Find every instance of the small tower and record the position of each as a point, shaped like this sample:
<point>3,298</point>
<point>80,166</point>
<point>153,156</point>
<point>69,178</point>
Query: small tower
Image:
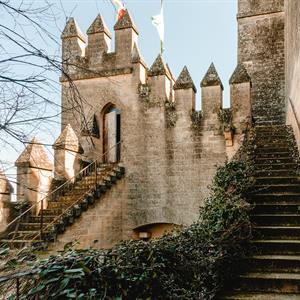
<point>185,91</point>
<point>240,98</point>
<point>5,198</point>
<point>67,150</point>
<point>34,173</point>
<point>99,40</point>
<point>160,80</point>
<point>212,96</point>
<point>73,43</point>
<point>126,35</point>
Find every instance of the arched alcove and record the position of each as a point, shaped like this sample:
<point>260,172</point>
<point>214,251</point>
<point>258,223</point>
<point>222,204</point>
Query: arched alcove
<point>111,138</point>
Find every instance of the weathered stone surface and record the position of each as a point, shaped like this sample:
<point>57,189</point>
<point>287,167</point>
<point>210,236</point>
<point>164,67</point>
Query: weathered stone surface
<point>158,67</point>
<point>239,75</point>
<point>98,26</point>
<point>184,81</point>
<point>211,78</point>
<point>261,49</point>
<point>35,156</point>
<point>68,140</point>
<point>125,22</point>
<point>72,30</point>
<point>292,10</point>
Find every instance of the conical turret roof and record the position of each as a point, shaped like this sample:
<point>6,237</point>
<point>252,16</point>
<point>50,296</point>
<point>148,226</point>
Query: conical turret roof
<point>211,77</point>
<point>158,67</point>
<point>125,22</point>
<point>35,156</point>
<point>98,26</point>
<point>240,75</point>
<point>68,140</point>
<point>72,30</point>
<point>184,81</point>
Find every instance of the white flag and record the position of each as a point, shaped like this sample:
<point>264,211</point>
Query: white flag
<point>119,7</point>
<point>158,22</point>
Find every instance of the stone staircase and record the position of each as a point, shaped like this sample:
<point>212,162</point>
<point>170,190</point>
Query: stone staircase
<point>272,270</point>
<point>63,208</point>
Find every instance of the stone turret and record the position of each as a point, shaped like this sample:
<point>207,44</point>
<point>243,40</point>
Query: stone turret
<point>160,80</point>
<point>185,91</point>
<point>240,97</point>
<point>99,40</point>
<point>126,35</point>
<point>34,173</point>
<point>67,150</point>
<point>212,96</point>
<point>5,198</point>
<point>73,43</point>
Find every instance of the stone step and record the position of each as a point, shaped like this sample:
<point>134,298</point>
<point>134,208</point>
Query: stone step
<point>275,173</point>
<point>273,263</point>
<point>284,198</point>
<point>277,180</point>
<point>278,160</point>
<point>275,155</point>
<point>275,208</point>
<point>31,226</point>
<point>276,166</point>
<point>270,282</point>
<point>276,219</point>
<point>271,150</point>
<point>276,188</point>
<point>259,296</point>
<point>276,247</point>
<point>276,232</point>
<point>20,243</point>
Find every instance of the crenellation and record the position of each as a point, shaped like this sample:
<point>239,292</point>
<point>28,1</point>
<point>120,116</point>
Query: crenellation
<point>99,42</point>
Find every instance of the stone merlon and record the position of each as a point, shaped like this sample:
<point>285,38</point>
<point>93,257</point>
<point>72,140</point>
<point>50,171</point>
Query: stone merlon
<point>184,81</point>
<point>99,26</point>
<point>68,140</point>
<point>125,22</point>
<point>35,156</point>
<point>159,68</point>
<point>72,30</point>
<point>240,75</point>
<point>211,78</point>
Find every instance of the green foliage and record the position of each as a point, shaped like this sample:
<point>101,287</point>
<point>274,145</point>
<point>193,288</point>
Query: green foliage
<point>189,264</point>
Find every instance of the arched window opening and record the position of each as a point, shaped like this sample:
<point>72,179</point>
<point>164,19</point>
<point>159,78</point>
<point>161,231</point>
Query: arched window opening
<point>112,134</point>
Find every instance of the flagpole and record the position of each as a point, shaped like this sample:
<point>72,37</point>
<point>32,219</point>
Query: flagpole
<point>161,42</point>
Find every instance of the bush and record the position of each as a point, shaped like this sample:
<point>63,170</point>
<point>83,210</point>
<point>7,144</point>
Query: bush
<point>193,263</point>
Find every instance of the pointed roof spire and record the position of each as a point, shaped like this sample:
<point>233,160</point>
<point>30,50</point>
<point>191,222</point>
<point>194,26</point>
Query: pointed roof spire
<point>158,67</point>
<point>72,30</point>
<point>184,81</point>
<point>91,128</point>
<point>125,22</point>
<point>240,75</point>
<point>68,140</point>
<point>35,156</point>
<point>98,26</point>
<point>211,77</point>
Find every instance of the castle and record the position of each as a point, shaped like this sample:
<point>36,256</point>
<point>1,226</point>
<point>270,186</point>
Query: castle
<point>118,111</point>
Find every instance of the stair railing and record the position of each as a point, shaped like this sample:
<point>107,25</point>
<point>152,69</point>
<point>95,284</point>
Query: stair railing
<point>59,191</point>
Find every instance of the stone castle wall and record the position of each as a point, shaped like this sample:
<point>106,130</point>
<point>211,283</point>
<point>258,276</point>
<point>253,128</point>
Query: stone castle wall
<point>169,154</point>
<point>292,10</point>
<point>261,49</point>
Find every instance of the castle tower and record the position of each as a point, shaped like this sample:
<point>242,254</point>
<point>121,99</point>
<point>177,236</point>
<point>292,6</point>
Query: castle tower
<point>261,49</point>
